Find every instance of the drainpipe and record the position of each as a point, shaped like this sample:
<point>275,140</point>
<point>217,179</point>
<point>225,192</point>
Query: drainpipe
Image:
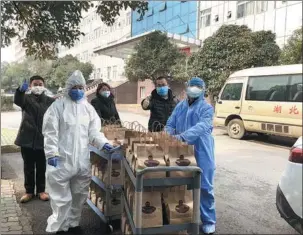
<point>198,20</point>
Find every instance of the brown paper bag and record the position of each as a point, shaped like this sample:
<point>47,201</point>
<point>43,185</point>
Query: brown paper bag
<point>116,177</point>
<point>124,221</point>
<point>180,207</point>
<point>115,206</point>
<point>141,163</point>
<point>151,210</point>
<point>129,154</point>
<point>182,160</point>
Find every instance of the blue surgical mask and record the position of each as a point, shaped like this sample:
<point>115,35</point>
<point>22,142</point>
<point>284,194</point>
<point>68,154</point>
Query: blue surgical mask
<point>76,94</point>
<point>194,92</point>
<point>105,94</point>
<point>162,91</point>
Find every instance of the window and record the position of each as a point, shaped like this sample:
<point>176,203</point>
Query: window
<point>150,13</point>
<point>205,18</point>
<point>268,88</point>
<point>163,7</point>
<point>108,72</point>
<point>115,72</point>
<point>128,18</point>
<point>216,18</point>
<point>245,8</point>
<point>261,6</point>
<point>142,92</point>
<point>295,89</point>
<point>232,91</point>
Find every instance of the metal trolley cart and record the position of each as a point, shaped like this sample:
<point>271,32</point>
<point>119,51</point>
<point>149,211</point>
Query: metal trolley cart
<point>107,187</point>
<point>140,183</point>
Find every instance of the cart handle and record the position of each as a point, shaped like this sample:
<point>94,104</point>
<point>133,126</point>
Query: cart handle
<point>168,169</point>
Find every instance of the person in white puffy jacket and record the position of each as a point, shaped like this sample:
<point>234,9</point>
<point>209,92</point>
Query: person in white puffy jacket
<point>69,126</point>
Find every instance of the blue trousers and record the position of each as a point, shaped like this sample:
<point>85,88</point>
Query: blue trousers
<point>207,200</point>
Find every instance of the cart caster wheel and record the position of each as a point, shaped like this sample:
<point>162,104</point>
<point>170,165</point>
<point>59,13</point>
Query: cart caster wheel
<point>109,229</point>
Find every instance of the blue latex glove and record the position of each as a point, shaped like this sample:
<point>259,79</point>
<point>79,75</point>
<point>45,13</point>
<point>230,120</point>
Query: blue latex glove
<point>24,87</point>
<point>53,161</point>
<point>178,137</point>
<point>108,147</point>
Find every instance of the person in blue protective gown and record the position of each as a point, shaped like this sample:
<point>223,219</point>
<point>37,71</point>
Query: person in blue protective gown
<point>192,122</point>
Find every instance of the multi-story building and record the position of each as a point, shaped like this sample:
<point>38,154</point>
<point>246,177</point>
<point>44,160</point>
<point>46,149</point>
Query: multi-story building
<point>281,17</point>
<point>97,34</point>
<point>16,47</point>
<point>177,17</point>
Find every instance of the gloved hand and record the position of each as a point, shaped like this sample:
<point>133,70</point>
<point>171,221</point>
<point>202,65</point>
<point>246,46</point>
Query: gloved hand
<point>108,147</point>
<point>178,137</point>
<point>53,161</point>
<point>24,87</point>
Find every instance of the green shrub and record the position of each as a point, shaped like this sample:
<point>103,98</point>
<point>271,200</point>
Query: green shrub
<point>7,103</point>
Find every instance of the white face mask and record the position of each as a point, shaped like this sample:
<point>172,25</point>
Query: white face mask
<point>37,90</point>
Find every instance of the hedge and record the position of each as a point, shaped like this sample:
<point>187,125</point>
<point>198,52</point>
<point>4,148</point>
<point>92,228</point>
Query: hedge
<point>7,103</point>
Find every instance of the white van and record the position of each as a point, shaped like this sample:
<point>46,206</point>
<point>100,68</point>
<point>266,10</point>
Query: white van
<point>265,100</point>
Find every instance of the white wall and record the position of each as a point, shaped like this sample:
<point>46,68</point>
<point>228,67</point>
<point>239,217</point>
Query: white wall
<point>282,17</point>
<point>98,34</point>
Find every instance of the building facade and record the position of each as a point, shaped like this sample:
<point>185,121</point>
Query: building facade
<point>176,17</point>
<point>98,34</point>
<point>281,17</point>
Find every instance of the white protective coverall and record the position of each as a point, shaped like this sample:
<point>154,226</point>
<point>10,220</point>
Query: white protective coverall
<point>68,128</point>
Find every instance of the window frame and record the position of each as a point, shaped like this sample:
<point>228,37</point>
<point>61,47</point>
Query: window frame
<point>204,14</point>
<point>232,83</point>
<point>142,90</point>
<point>291,84</point>
<point>261,4</point>
<point>287,95</point>
<point>244,4</point>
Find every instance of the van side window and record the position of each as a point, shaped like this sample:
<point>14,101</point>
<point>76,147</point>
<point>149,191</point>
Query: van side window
<point>295,89</point>
<point>268,88</point>
<point>232,91</point>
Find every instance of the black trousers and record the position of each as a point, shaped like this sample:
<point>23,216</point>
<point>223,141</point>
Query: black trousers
<point>34,170</point>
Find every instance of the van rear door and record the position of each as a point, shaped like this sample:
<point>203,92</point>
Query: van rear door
<point>229,102</point>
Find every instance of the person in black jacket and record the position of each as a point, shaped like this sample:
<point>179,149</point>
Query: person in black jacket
<point>161,104</point>
<point>105,105</point>
<point>30,137</point>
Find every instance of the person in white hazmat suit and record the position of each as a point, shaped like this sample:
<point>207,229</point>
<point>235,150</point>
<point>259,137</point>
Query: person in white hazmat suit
<point>69,126</point>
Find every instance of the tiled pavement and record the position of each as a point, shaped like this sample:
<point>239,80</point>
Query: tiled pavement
<point>13,220</point>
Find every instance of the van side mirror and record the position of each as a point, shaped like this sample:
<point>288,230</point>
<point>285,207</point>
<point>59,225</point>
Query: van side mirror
<point>215,98</point>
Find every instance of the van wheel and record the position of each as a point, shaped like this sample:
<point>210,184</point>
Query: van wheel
<point>235,129</point>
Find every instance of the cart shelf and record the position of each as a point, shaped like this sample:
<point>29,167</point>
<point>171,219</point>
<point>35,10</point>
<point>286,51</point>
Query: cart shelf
<point>161,182</point>
<point>102,185</point>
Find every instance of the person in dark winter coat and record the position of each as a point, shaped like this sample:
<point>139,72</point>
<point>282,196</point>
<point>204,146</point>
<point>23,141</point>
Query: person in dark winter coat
<point>30,137</point>
<point>161,104</point>
<point>105,105</point>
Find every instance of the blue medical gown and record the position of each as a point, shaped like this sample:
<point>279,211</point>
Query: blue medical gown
<point>194,123</point>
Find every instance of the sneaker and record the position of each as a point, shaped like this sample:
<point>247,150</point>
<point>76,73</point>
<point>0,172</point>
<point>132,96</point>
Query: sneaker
<point>76,230</point>
<point>43,196</point>
<point>26,198</point>
<point>209,228</point>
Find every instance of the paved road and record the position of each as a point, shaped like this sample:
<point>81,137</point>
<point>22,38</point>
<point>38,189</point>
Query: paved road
<point>247,175</point>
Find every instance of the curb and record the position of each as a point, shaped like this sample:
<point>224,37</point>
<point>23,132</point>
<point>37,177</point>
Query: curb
<point>10,149</point>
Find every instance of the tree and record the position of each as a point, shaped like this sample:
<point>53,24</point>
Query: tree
<point>154,56</point>
<point>54,72</point>
<point>292,51</point>
<point>14,75</point>
<point>47,23</point>
<point>63,67</point>
<point>230,49</point>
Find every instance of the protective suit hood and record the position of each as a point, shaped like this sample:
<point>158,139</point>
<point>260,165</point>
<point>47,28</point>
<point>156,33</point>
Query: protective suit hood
<point>76,79</point>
